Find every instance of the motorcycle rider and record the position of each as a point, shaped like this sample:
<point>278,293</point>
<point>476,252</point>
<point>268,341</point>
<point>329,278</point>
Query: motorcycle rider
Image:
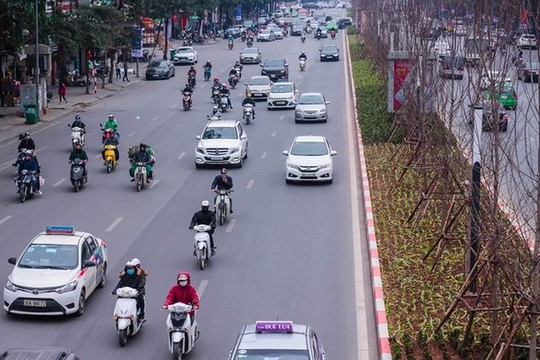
<point>207,217</point>
<point>216,114</point>
<point>78,152</point>
<point>29,163</point>
<point>188,89</point>
<point>224,91</point>
<point>238,67</point>
<point>112,124</point>
<point>302,56</point>
<point>26,142</point>
<point>79,123</point>
<point>133,277</point>
<point>207,65</point>
<point>192,71</point>
<point>183,292</point>
<point>143,156</point>
<point>318,33</point>
<point>249,100</point>
<point>113,140</point>
<point>222,182</point>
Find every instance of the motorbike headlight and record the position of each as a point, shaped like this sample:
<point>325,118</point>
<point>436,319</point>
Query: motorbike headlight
<point>11,287</point>
<point>200,149</point>
<point>234,150</point>
<point>67,288</point>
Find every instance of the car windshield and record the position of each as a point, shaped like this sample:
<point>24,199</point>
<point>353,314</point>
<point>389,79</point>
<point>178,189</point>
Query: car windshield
<point>262,354</point>
<point>50,256</point>
<point>274,63</point>
<point>265,31</point>
<point>259,81</point>
<point>187,50</point>
<point>158,64</point>
<point>282,88</point>
<point>310,99</point>
<point>329,48</point>
<point>533,65</point>
<point>215,132</point>
<point>250,51</point>
<point>309,148</point>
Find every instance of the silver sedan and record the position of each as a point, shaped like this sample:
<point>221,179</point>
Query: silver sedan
<point>311,107</point>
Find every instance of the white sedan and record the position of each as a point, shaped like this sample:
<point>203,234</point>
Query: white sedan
<point>185,55</point>
<point>309,159</point>
<point>56,273</point>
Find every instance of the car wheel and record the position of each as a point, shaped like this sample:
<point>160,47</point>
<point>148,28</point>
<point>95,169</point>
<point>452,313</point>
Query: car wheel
<point>82,303</point>
<point>103,281</point>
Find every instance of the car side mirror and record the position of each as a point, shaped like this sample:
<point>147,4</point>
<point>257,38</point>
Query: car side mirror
<point>327,102</point>
<point>198,137</point>
<point>261,65</point>
<point>333,152</point>
<point>88,263</point>
<point>286,64</point>
<point>243,137</point>
<point>12,260</point>
<point>285,152</point>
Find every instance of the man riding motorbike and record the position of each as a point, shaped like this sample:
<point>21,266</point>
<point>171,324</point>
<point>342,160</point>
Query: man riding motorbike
<point>224,91</point>
<point>302,56</point>
<point>112,124</point>
<point>133,277</point>
<point>26,142</point>
<point>238,67</point>
<point>207,70</point>
<point>216,114</point>
<point>249,100</point>
<point>79,123</point>
<point>143,156</point>
<point>78,152</point>
<point>207,217</point>
<point>183,292</point>
<point>318,33</point>
<point>29,163</point>
<point>188,89</point>
<point>192,71</point>
<point>222,182</point>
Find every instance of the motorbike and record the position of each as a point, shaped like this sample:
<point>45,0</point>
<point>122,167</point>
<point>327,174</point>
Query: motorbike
<point>222,205</point>
<point>182,332</point>
<point>126,314</point>
<point>302,64</point>
<point>207,73</point>
<point>26,182</point>
<point>77,79</point>
<point>77,136</point>
<point>238,69</point>
<point>303,38</point>
<point>243,37</point>
<point>318,36</point>
<point>110,157</point>
<point>333,34</point>
<point>224,103</point>
<point>77,174</point>
<point>187,42</point>
<point>233,80</point>
<point>216,95</point>
<point>191,81</point>
<point>186,101</point>
<point>202,244</point>
<point>140,175</point>
<point>249,42</point>
<point>248,113</point>
<point>231,44</point>
<point>107,133</point>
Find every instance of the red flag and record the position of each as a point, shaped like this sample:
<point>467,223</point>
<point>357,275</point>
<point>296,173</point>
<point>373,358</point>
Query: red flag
<point>523,16</point>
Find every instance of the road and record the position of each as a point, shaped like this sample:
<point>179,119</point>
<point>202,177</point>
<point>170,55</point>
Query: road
<point>287,252</point>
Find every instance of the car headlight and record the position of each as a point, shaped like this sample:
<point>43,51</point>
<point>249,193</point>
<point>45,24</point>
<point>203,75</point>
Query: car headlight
<point>200,149</point>
<point>67,288</point>
<point>234,150</point>
<point>294,166</point>
<point>282,71</point>
<point>325,166</point>
<point>11,287</point>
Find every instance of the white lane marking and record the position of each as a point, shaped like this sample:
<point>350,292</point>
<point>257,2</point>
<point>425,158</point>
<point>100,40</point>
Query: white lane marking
<point>155,118</point>
<point>263,156</point>
<point>181,156</point>
<point>273,134</point>
<point>6,218</point>
<point>59,182</point>
<point>154,183</point>
<point>231,226</point>
<point>137,117</point>
<point>174,106</point>
<point>97,156</point>
<point>250,184</point>
<point>5,165</point>
<point>201,288</point>
<point>281,117</point>
<point>202,85</point>
<point>114,224</point>
<point>131,134</point>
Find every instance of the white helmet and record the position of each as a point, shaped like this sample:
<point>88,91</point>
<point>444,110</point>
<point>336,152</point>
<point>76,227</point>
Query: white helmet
<point>135,262</point>
<point>205,203</point>
<point>131,263</point>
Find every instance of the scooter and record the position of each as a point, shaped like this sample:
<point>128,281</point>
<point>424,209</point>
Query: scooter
<point>26,182</point>
<point>191,81</point>
<point>302,64</point>
<point>249,42</point>
<point>303,38</point>
<point>233,80</point>
<point>77,136</point>
<point>110,157</point>
<point>216,95</point>
<point>126,314</point>
<point>202,244</point>
<point>107,133</point>
<point>77,176</point>
<point>238,69</point>
<point>207,73</point>
<point>140,175</point>
<point>248,113</point>
<point>222,205</point>
<point>231,44</point>
<point>182,332</point>
<point>224,103</point>
<point>186,101</point>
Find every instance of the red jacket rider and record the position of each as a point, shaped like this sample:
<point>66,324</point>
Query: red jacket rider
<point>183,291</point>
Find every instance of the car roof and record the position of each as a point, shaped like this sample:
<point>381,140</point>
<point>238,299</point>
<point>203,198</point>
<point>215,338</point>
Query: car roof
<point>43,238</point>
<point>309,138</point>
<point>185,48</point>
<point>222,123</point>
<point>312,94</point>
<point>284,83</point>
<point>47,353</point>
<point>250,339</point>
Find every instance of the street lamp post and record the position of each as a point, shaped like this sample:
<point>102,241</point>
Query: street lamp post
<point>36,71</point>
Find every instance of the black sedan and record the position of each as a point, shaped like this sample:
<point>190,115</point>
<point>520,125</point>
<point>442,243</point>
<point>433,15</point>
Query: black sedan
<point>528,71</point>
<point>329,52</point>
<point>160,69</point>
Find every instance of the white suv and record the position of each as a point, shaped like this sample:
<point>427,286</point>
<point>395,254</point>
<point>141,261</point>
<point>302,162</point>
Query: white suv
<point>282,96</point>
<point>527,41</point>
<point>222,142</point>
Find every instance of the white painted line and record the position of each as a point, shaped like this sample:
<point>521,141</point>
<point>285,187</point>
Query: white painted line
<point>273,134</point>
<point>41,149</point>
<point>59,182</point>
<point>137,117</point>
<point>202,85</point>
<point>155,118</point>
<point>154,183</point>
<point>231,226</point>
<point>113,225</point>
<point>201,288</point>
<point>174,106</point>
<point>97,156</point>
<point>131,134</point>
<point>181,156</point>
<point>6,218</point>
<point>250,184</point>
<point>281,117</point>
<point>263,156</point>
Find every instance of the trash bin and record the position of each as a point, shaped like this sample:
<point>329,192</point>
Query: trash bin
<point>172,52</point>
<point>30,112</point>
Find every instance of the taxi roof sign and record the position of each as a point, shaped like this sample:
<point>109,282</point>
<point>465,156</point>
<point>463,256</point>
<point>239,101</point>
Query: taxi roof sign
<point>59,230</point>
<point>274,326</point>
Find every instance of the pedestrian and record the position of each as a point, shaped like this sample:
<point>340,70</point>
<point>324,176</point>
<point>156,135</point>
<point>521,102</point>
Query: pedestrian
<point>118,70</point>
<point>125,78</point>
<point>10,89</point>
<point>2,90</point>
<point>62,90</point>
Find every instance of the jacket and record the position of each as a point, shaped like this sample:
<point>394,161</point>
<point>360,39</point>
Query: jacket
<point>111,124</point>
<point>30,165</point>
<point>203,217</point>
<point>81,154</point>
<point>186,294</point>
<point>136,281</point>
<point>220,184</point>
<point>26,143</point>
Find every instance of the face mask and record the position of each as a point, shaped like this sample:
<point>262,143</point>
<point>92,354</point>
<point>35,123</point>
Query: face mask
<point>182,282</point>
<point>130,271</point>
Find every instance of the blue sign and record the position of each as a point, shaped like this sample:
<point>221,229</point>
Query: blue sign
<point>136,43</point>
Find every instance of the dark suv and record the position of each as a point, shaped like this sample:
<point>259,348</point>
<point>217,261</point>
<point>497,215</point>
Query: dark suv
<point>276,69</point>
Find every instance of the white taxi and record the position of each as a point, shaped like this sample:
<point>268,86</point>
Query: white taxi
<point>56,273</point>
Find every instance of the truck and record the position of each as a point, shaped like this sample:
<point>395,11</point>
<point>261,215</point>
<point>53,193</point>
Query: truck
<point>474,46</point>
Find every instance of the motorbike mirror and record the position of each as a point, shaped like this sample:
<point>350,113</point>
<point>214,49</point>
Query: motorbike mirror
<point>12,260</point>
<point>69,125</point>
<point>285,152</point>
<point>88,263</point>
<point>198,137</point>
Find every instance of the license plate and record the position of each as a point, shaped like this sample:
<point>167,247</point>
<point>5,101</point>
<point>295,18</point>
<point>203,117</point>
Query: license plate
<point>256,94</point>
<point>155,75</point>
<point>35,303</point>
<point>281,102</point>
<point>216,158</point>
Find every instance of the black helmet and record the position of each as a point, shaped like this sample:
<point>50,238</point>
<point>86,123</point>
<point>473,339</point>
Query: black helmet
<point>142,146</point>
<point>77,117</point>
<point>224,171</point>
<point>23,135</point>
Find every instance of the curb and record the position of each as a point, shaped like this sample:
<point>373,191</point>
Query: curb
<point>376,277</point>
